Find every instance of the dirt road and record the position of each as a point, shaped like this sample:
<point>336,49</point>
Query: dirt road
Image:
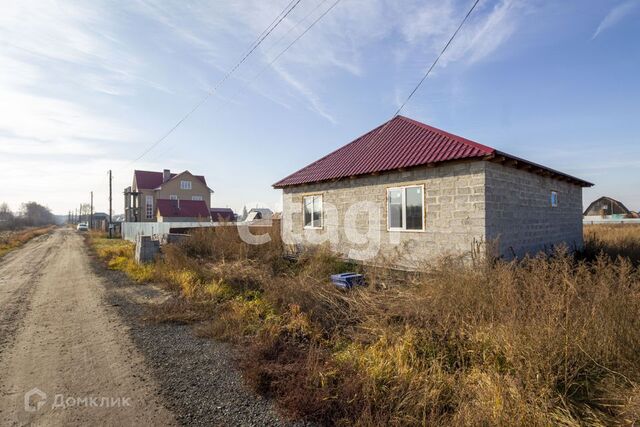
<point>57,335</point>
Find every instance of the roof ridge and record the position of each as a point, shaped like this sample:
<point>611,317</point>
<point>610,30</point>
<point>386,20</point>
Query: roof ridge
<point>462,139</point>
<point>406,143</point>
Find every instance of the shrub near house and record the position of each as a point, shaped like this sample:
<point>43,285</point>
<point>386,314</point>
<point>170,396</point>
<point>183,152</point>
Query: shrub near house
<point>545,341</point>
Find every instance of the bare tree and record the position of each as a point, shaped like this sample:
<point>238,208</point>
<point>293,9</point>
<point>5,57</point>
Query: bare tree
<point>7,219</point>
<point>32,214</point>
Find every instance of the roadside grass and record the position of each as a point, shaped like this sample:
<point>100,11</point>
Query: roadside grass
<point>545,340</point>
<point>119,255</point>
<point>10,240</point>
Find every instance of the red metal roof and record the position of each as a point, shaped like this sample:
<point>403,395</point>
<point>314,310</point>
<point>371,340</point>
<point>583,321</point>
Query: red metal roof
<point>183,208</point>
<point>398,143</point>
<point>148,180</point>
<point>222,214</point>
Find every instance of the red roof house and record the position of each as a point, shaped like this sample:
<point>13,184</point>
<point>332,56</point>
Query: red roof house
<point>414,192</point>
<point>149,196</point>
<point>182,210</point>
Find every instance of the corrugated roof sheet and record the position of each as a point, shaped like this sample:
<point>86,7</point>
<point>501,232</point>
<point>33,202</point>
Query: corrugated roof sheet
<point>183,208</point>
<point>398,143</point>
<point>149,180</point>
<point>222,214</point>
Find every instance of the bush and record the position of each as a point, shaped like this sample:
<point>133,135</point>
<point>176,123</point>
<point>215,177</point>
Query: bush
<point>540,341</point>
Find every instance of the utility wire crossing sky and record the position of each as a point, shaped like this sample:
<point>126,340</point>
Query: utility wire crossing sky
<point>89,87</point>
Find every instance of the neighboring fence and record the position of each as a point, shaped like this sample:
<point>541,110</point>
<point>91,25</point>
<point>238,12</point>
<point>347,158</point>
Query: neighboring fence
<point>131,230</point>
<point>592,220</point>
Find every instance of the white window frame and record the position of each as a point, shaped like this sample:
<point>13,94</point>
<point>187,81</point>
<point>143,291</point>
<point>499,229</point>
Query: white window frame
<point>304,201</point>
<point>148,204</point>
<point>197,198</point>
<point>185,185</point>
<point>173,197</point>
<point>557,201</point>
<point>404,209</point>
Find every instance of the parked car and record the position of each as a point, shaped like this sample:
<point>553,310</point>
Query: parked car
<point>82,226</point>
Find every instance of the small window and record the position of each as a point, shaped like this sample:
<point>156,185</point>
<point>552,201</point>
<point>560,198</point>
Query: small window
<point>312,206</point>
<point>173,197</point>
<point>196,197</point>
<point>554,199</point>
<point>185,185</point>
<point>405,208</point>
<point>149,206</point>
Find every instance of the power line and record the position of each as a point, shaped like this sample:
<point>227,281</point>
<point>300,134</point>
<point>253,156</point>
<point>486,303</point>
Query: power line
<point>286,11</point>
<point>270,63</point>
<point>297,24</point>
<point>437,59</point>
<point>270,25</point>
<point>298,37</point>
<point>294,41</point>
<point>424,77</point>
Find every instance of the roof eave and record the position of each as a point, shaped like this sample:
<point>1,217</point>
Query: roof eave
<point>496,157</point>
<point>520,163</point>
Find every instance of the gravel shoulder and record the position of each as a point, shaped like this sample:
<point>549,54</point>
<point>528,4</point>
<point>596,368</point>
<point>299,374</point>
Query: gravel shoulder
<point>61,338</point>
<point>198,377</point>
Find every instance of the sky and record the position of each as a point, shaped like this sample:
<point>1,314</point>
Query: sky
<point>87,87</point>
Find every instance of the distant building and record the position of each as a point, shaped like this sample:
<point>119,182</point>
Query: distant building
<point>182,211</point>
<point>606,207</point>
<point>259,213</point>
<point>222,215</point>
<point>182,196</point>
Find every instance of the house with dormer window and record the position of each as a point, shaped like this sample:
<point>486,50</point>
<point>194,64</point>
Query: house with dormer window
<point>167,197</point>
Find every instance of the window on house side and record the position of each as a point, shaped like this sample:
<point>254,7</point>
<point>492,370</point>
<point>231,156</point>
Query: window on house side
<point>149,206</point>
<point>173,197</point>
<point>196,197</point>
<point>185,185</point>
<point>405,208</point>
<point>554,199</point>
<point>312,206</point>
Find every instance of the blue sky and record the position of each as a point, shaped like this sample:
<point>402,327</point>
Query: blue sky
<point>87,86</point>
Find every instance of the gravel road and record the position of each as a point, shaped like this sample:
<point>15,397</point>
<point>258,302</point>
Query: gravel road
<point>75,333</point>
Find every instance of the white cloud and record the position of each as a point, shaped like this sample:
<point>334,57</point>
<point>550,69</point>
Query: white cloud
<point>72,72</point>
<point>615,15</point>
<point>341,42</point>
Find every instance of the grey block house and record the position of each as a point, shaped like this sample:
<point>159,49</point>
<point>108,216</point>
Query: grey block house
<point>409,193</point>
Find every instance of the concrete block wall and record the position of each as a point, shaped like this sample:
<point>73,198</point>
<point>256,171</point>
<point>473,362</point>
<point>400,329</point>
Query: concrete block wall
<point>520,215</point>
<point>355,214</point>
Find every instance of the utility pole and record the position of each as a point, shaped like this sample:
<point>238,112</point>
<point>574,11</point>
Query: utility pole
<point>110,208</point>
<point>91,213</point>
<point>80,211</point>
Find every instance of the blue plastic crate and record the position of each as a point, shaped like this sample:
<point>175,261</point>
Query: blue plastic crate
<point>347,280</point>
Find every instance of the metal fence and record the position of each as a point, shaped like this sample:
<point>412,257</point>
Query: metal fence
<point>131,230</point>
<point>592,220</point>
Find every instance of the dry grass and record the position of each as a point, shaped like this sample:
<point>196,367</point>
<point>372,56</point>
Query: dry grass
<point>549,340</point>
<point>613,240</point>
<point>10,240</point>
<point>119,255</point>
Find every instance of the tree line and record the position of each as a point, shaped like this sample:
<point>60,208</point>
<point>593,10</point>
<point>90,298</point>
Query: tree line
<point>30,214</point>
